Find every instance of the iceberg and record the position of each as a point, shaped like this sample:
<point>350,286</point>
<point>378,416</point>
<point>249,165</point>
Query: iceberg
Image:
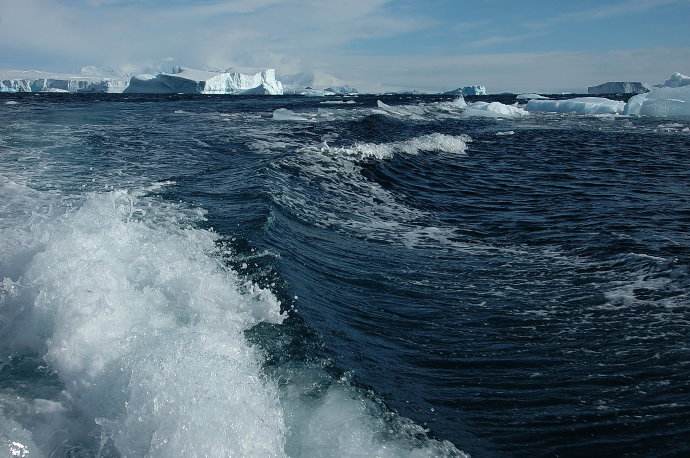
<point>468,90</point>
<point>38,81</point>
<point>618,87</point>
<point>676,80</point>
<point>190,81</point>
<point>579,105</point>
<point>666,102</point>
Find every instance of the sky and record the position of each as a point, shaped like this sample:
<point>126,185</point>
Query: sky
<point>374,45</point>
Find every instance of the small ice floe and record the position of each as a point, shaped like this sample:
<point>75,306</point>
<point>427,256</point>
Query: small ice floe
<point>283,114</point>
<point>505,134</point>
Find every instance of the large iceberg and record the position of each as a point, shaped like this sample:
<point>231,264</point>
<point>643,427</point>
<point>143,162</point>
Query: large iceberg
<point>676,80</point>
<point>38,81</point>
<point>666,102</point>
<point>618,87</point>
<point>468,90</point>
<point>579,105</point>
<point>190,81</point>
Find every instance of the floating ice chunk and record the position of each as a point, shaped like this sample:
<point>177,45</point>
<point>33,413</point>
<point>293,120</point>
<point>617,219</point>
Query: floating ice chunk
<point>531,96</point>
<point>505,134</point>
<point>580,105</point>
<point>11,102</point>
<point>667,102</point>
<point>494,110</point>
<point>283,114</point>
<point>338,102</point>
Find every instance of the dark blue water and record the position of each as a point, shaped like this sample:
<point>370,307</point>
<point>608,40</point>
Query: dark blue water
<point>527,296</point>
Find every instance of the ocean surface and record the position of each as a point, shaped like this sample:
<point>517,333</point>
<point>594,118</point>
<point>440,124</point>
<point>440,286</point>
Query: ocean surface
<point>310,277</point>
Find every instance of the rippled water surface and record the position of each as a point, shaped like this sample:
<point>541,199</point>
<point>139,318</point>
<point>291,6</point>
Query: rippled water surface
<point>207,276</point>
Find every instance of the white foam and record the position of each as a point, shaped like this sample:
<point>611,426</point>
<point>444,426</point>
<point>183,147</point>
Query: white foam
<point>506,133</point>
<point>144,328</point>
<point>432,142</point>
<point>579,105</point>
<point>11,102</point>
<point>125,298</point>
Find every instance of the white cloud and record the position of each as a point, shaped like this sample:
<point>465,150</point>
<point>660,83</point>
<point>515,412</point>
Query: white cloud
<point>296,35</point>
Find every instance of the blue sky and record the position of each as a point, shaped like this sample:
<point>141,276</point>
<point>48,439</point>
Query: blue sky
<point>375,44</point>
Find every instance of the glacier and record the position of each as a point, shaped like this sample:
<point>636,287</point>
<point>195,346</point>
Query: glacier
<point>38,81</point>
<point>191,81</point>
<point>579,105</point>
<point>618,87</point>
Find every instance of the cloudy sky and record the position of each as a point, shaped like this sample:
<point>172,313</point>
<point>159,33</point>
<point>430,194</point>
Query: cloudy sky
<point>545,45</point>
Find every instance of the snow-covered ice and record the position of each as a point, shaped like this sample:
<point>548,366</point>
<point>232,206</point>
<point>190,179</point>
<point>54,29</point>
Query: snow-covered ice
<point>579,105</point>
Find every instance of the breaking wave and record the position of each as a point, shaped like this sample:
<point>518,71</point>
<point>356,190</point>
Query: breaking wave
<point>127,300</point>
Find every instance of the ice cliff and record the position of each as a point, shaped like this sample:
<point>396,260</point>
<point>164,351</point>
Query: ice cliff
<point>190,81</point>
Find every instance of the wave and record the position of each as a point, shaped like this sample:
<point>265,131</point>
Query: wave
<point>433,142</point>
<point>127,300</point>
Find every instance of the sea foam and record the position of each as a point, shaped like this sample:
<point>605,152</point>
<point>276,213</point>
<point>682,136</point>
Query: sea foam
<point>127,300</point>
<point>432,142</point>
